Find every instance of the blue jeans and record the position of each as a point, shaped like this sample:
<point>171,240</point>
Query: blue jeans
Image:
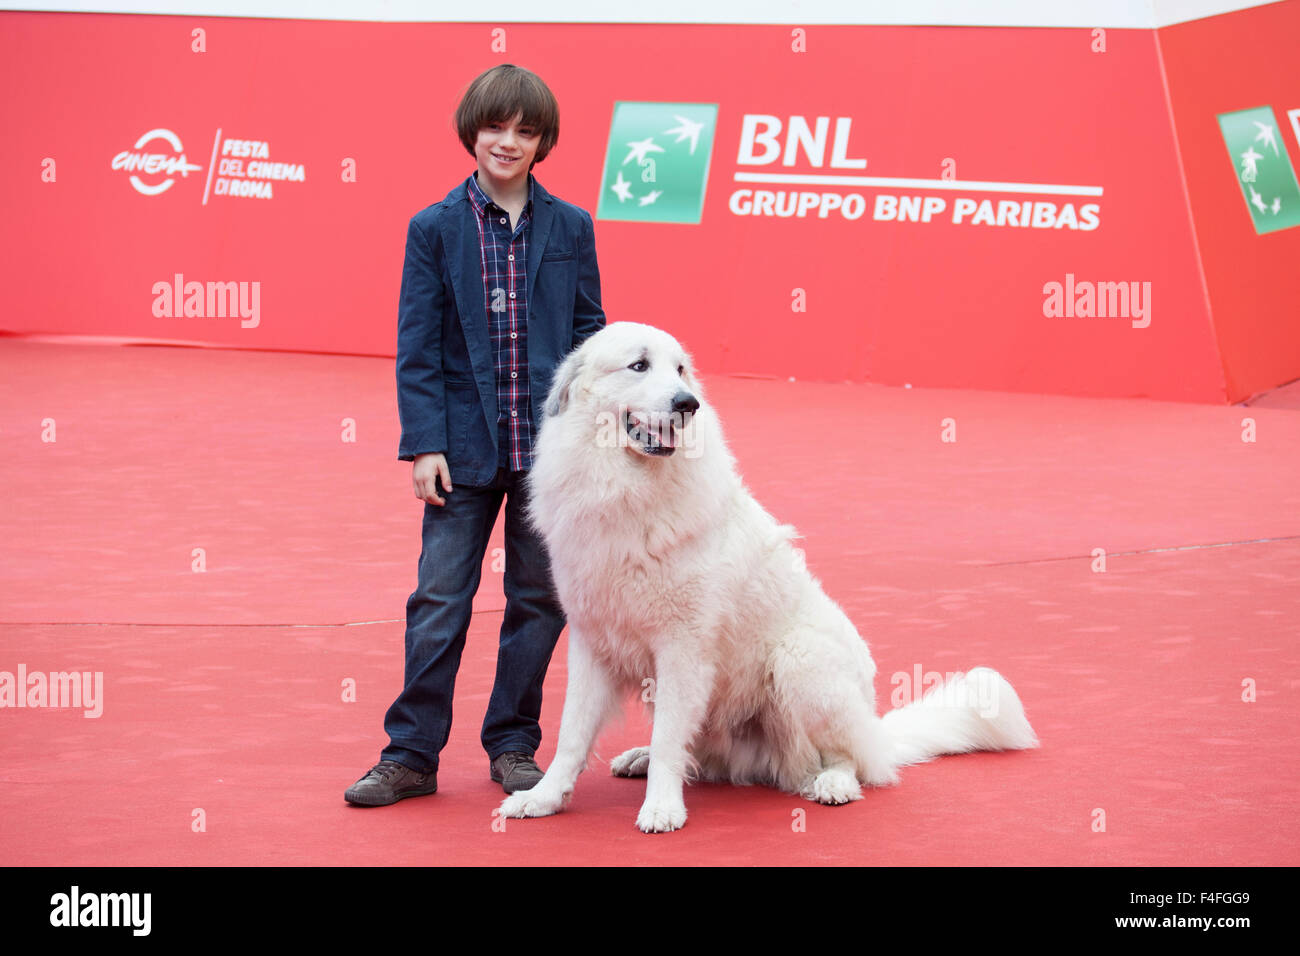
<point>437,618</point>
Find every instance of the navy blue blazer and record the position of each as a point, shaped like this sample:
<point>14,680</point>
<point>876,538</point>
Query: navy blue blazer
<point>446,383</point>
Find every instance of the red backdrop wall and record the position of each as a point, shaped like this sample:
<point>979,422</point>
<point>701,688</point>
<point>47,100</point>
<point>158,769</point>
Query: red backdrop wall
<point>1218,65</point>
<point>929,303</point>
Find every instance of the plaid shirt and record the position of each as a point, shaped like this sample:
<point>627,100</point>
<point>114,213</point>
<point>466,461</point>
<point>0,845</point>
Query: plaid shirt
<point>505,280</point>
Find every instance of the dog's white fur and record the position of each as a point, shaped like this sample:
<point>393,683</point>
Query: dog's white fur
<point>674,579</point>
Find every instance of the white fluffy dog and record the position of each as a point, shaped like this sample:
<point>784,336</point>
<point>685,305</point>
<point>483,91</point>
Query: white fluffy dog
<point>679,585</point>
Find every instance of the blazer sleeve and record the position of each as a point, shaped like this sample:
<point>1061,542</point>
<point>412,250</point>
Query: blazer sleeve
<point>588,316</point>
<point>421,400</point>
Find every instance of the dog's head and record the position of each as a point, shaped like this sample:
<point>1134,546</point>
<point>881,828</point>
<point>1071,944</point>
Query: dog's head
<point>637,386</point>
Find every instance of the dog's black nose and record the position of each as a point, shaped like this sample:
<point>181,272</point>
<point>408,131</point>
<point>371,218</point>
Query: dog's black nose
<point>684,403</point>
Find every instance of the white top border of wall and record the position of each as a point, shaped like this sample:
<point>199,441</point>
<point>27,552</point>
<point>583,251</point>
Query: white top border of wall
<point>1133,14</point>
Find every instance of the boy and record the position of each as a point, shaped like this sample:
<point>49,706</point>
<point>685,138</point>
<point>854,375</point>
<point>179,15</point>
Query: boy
<point>500,282</point>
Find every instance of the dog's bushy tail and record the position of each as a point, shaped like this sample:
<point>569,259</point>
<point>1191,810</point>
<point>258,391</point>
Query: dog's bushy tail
<point>978,710</point>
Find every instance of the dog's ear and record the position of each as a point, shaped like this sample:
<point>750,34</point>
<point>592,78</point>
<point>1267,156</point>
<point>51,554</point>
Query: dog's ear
<point>557,400</point>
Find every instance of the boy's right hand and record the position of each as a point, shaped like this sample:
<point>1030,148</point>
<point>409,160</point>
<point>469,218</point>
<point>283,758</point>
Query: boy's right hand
<point>424,474</point>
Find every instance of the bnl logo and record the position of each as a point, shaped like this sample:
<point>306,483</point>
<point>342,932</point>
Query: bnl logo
<point>657,162</point>
<point>1264,169</point>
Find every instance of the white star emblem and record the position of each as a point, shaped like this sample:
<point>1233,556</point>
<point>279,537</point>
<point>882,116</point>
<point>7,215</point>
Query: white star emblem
<point>1266,133</point>
<point>622,188</point>
<point>685,129</point>
<point>639,149</point>
<point>1257,200</point>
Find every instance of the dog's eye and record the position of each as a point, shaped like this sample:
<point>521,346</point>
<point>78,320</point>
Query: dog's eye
<point>640,365</point>
<point>681,370</point>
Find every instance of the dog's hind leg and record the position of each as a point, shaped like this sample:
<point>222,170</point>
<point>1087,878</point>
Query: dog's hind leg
<point>836,783</point>
<point>631,763</point>
<point>827,739</point>
<point>875,753</point>
<point>854,749</point>
<point>588,701</point>
<point>851,747</point>
<point>852,737</point>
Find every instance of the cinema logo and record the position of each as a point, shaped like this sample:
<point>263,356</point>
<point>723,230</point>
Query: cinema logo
<point>1102,300</point>
<point>76,908</point>
<point>208,300</point>
<point>56,689</point>
<point>146,161</point>
<point>245,169</point>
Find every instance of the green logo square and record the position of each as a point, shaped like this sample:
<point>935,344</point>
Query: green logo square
<point>1263,167</point>
<point>657,162</point>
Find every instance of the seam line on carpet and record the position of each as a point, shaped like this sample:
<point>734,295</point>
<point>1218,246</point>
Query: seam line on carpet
<point>1122,554</point>
<point>391,620</point>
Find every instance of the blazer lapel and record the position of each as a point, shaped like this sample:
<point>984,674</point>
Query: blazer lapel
<point>465,263</point>
<point>541,335</point>
<point>543,217</point>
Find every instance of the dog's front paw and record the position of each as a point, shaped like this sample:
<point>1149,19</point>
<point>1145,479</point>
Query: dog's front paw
<point>631,763</point>
<point>661,817</point>
<point>530,803</point>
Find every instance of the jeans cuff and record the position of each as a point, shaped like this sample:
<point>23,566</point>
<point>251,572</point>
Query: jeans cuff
<point>518,747</point>
<point>409,759</point>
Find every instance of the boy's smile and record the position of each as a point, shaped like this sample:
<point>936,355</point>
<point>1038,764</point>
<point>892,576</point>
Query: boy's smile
<point>505,151</point>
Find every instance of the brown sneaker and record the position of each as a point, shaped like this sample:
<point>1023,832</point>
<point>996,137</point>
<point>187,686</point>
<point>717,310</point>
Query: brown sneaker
<point>515,771</point>
<point>389,781</point>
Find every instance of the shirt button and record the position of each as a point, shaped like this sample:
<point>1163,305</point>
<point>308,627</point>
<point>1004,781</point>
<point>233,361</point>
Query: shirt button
<point>512,295</point>
<point>514,335</point>
<point>511,257</point>
<point>503,220</point>
<point>514,374</point>
<point>513,413</point>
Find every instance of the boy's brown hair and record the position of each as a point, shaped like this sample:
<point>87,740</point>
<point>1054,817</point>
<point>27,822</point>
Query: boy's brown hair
<point>496,95</point>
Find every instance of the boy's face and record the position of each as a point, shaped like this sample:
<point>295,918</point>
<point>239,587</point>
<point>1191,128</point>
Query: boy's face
<point>505,151</point>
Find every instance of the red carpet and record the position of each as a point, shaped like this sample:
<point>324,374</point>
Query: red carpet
<point>223,689</point>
